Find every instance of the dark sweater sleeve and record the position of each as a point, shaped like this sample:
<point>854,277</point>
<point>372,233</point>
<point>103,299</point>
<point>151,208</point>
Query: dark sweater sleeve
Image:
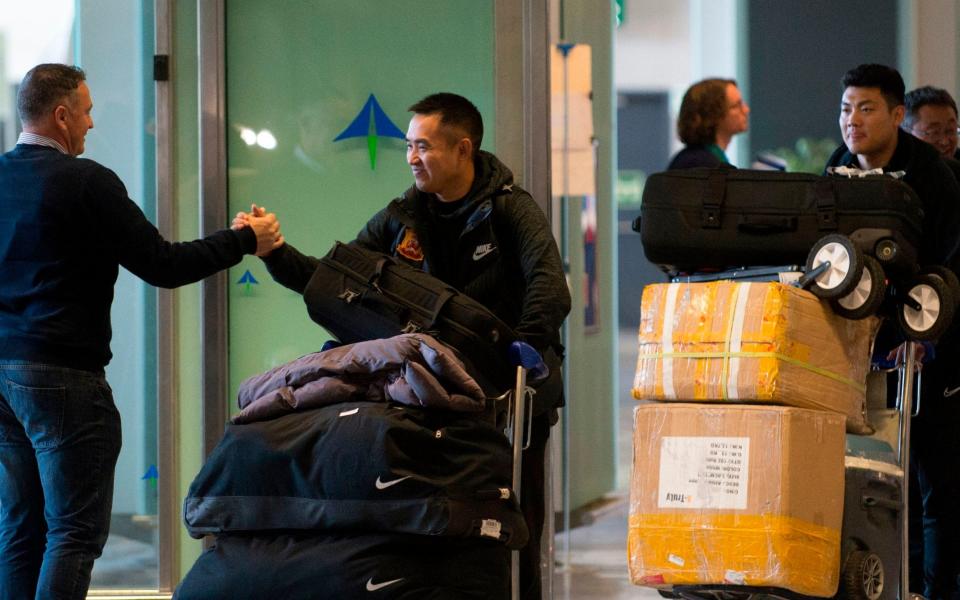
<point>546,301</point>
<point>139,247</point>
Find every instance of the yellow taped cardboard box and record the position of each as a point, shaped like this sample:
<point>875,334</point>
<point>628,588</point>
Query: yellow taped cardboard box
<point>725,341</point>
<point>736,494</point>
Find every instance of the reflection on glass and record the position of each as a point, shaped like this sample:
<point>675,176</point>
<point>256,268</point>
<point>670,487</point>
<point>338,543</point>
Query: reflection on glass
<point>98,37</point>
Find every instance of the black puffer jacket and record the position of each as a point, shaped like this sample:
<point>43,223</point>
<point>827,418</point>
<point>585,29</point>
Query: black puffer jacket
<point>505,257</point>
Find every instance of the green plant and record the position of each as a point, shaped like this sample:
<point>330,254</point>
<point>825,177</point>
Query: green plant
<point>630,187</point>
<point>807,155</point>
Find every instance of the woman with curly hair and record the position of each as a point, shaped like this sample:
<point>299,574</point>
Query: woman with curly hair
<point>712,112</point>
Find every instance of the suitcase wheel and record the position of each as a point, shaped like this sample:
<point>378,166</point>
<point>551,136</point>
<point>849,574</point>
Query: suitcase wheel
<point>927,309</point>
<point>845,268</point>
<point>868,295</point>
<point>862,576</point>
<point>948,277</point>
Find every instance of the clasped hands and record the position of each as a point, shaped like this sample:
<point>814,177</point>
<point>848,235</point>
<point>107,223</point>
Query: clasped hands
<point>264,225</point>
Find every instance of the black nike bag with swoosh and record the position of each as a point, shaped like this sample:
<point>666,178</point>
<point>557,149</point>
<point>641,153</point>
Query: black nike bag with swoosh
<point>358,295</point>
<point>360,467</point>
<point>343,566</point>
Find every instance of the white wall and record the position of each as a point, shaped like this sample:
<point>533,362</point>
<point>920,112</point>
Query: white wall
<point>666,46</point>
<point>935,47</point>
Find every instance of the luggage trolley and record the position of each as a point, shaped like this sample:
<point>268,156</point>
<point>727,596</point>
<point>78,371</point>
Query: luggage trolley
<point>518,420</point>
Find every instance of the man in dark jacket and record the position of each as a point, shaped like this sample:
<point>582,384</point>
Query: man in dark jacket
<point>871,113</point>
<point>66,225</point>
<point>467,223</point>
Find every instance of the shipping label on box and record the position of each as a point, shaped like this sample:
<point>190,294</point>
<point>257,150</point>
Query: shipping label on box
<point>704,472</point>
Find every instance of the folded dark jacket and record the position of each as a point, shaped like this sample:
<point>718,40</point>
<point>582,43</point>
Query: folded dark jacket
<point>413,369</point>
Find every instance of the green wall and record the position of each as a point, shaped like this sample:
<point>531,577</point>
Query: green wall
<point>303,71</point>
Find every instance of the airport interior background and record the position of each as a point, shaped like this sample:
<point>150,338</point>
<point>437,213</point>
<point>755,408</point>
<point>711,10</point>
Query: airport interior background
<point>244,104</point>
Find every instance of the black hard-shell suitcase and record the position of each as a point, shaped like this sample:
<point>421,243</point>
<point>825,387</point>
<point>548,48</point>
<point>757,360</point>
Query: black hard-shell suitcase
<point>358,295</point>
<point>715,218</point>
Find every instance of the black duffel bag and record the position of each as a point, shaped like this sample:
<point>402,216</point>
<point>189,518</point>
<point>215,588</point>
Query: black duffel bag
<point>715,218</point>
<point>357,295</point>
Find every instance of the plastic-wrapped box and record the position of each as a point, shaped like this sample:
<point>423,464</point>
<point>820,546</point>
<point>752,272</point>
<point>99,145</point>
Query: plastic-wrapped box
<point>736,495</point>
<point>726,341</point>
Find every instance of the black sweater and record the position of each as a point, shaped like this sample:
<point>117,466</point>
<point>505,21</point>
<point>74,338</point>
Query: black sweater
<point>66,225</point>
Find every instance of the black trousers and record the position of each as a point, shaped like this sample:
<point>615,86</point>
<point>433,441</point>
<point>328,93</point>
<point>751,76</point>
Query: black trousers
<point>935,487</point>
<point>532,497</point>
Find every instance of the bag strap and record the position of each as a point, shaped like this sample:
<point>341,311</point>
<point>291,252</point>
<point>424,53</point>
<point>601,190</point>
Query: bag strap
<point>825,193</point>
<point>712,200</point>
<point>445,295</point>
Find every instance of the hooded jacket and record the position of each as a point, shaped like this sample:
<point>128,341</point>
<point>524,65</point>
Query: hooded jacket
<point>504,256</point>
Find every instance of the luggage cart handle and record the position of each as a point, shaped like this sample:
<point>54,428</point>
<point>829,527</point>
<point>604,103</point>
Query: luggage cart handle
<point>522,354</point>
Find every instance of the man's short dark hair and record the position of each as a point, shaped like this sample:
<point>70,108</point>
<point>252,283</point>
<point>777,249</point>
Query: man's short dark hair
<point>887,79</point>
<point>455,111</point>
<point>925,96</point>
<point>703,107</point>
<point>45,86</point>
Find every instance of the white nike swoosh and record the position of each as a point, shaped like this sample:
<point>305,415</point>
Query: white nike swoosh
<point>478,254</point>
<point>372,587</point>
<point>947,392</point>
<point>382,485</point>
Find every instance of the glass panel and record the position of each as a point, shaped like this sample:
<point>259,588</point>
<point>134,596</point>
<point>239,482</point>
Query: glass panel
<point>112,40</point>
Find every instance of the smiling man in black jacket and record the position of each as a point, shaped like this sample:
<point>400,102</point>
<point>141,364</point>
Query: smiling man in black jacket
<point>466,222</point>
<point>66,226</point>
<point>871,111</point>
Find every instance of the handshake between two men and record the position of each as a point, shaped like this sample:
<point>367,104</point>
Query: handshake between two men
<point>264,225</point>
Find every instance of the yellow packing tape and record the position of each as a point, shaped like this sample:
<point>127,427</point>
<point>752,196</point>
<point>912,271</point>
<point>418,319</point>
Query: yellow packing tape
<point>684,548</point>
<point>775,355</point>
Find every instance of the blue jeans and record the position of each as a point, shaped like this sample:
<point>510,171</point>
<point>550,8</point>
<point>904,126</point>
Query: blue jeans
<point>59,442</point>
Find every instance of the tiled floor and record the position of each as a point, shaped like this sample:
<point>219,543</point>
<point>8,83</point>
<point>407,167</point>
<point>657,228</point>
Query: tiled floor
<point>598,562</point>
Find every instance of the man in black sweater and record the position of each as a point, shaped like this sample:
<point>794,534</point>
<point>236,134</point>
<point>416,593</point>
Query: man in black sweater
<point>66,226</point>
<point>871,113</point>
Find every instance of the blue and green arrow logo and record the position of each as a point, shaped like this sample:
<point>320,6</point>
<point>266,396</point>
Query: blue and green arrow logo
<point>248,279</point>
<point>371,122</point>
<point>151,475</point>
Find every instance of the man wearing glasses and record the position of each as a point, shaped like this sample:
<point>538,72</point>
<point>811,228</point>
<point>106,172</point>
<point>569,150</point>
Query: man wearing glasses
<point>931,115</point>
